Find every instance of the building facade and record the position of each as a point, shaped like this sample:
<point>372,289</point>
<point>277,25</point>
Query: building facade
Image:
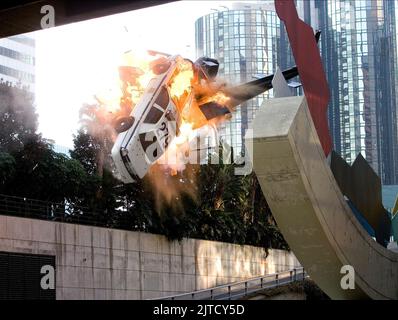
<point>359,51</point>
<point>246,41</point>
<point>17,61</point>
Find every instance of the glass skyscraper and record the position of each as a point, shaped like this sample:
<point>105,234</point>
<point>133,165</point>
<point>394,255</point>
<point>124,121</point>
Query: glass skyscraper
<point>246,41</point>
<point>359,50</point>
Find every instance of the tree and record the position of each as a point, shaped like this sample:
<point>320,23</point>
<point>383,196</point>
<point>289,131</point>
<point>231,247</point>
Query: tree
<point>207,202</point>
<point>92,148</point>
<point>7,169</point>
<point>98,194</point>
<point>28,165</point>
<point>85,151</point>
<point>97,131</point>
<point>135,207</point>
<point>233,208</point>
<point>41,173</point>
<point>18,118</point>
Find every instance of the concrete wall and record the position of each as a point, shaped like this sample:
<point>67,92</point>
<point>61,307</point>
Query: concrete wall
<point>100,263</point>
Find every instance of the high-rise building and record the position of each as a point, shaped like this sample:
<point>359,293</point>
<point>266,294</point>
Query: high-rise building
<point>246,41</point>
<point>359,51</point>
<point>17,61</point>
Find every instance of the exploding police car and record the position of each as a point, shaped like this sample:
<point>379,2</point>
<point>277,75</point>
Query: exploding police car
<point>179,91</point>
<point>154,122</point>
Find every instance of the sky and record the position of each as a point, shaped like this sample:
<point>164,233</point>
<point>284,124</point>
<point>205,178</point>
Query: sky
<point>76,61</point>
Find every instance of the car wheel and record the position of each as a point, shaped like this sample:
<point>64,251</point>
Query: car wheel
<point>123,124</point>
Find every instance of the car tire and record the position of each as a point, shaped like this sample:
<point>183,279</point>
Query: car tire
<point>122,124</point>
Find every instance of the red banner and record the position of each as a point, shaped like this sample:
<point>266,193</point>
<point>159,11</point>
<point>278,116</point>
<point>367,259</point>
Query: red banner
<point>310,68</point>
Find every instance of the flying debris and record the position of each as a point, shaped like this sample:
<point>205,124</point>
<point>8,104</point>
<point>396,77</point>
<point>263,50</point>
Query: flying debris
<point>167,102</point>
<point>179,93</point>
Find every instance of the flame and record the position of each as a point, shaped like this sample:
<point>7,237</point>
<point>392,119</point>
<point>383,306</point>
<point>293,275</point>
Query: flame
<point>187,93</point>
<point>141,61</point>
<point>174,159</point>
<point>186,134</point>
<point>110,99</point>
<point>220,98</point>
<point>126,88</point>
<point>135,72</point>
<point>181,82</point>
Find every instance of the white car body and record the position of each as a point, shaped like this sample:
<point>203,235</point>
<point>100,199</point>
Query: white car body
<point>156,123</point>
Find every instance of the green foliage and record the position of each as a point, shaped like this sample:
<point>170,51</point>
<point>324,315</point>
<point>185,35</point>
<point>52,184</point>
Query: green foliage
<point>7,169</point>
<point>28,165</point>
<point>233,209</point>
<point>85,151</point>
<point>227,208</point>
<point>18,118</point>
<point>44,174</point>
<point>94,141</point>
<point>208,202</point>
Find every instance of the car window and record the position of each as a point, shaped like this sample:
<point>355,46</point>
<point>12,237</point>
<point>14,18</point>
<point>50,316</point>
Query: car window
<point>153,115</point>
<point>163,99</point>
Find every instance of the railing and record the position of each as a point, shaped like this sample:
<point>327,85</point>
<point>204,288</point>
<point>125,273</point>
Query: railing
<point>244,288</point>
<point>62,212</point>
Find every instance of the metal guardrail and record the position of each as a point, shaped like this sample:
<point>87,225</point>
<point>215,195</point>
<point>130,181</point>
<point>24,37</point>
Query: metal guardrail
<point>62,212</point>
<point>244,288</point>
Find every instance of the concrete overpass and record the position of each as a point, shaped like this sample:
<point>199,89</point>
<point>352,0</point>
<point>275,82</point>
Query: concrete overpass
<point>24,16</point>
<point>309,207</point>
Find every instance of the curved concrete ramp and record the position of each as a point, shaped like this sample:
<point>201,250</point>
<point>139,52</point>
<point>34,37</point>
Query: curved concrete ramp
<point>309,207</point>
